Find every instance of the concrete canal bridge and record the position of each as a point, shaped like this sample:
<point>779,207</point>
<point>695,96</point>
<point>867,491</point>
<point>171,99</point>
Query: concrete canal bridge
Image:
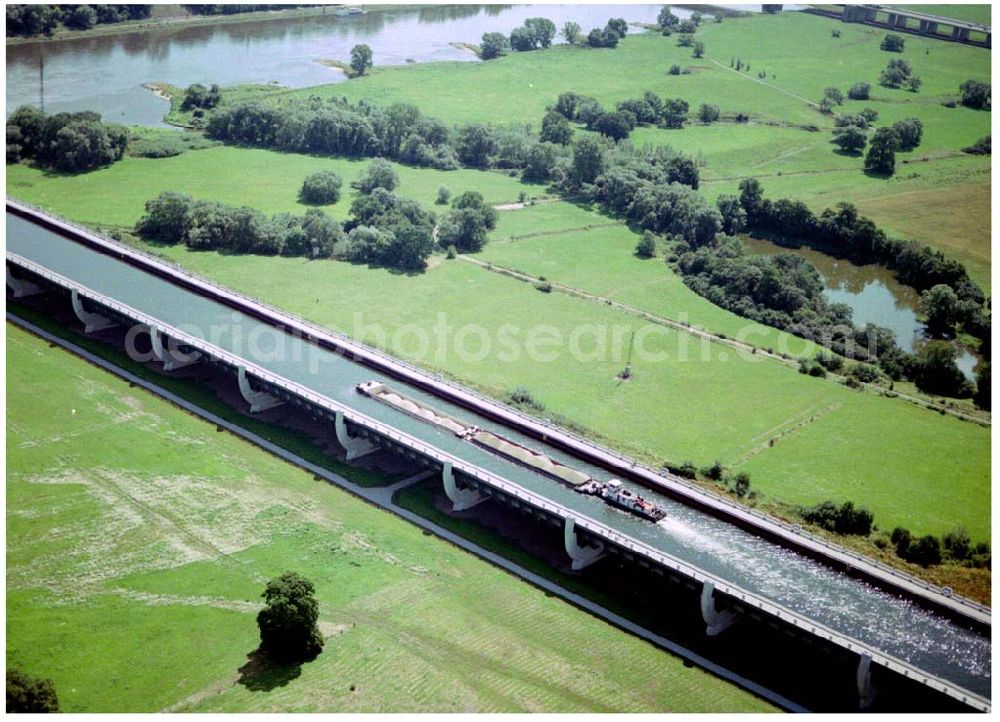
<point>743,566</point>
<point>909,20</point>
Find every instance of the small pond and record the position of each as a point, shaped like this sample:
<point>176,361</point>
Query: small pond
<point>873,295</point>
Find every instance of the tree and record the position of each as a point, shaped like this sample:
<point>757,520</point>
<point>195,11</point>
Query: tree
<point>556,129</point>
<point>734,217</point>
<point>859,91</point>
<point>571,32</point>
<point>913,83</point>
<point>288,622</point>
<point>168,218</point>
<point>588,162</point>
<point>975,94</point>
<point>321,188</point>
<point>646,247</point>
<point>896,73</point>
<point>851,138</point>
<point>468,224</point>
<point>936,372</point>
<point>80,17</point>
<point>198,96</point>
<point>699,50</point>
<point>361,59</point>
<point>939,305</point>
<point>543,29</point>
<point>618,26</point>
<point>982,396</point>
<point>27,694</point>
<point>752,200</point>
<point>493,45</point>
<point>881,157</point>
<point>443,196</point>
<point>475,144</point>
<point>909,132</point>
<point>675,113</point>
<point>836,95</point>
<point>598,38</point>
<point>616,126</point>
<point>666,18</point>
<point>522,39</point>
<point>892,43</point>
<point>685,40</point>
<point>708,114</point>
<point>378,174</point>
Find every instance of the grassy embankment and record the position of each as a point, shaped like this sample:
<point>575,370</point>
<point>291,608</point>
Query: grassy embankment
<point>723,407</point>
<point>139,541</point>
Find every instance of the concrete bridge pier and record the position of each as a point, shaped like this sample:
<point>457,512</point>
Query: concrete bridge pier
<point>866,690</point>
<point>19,287</point>
<point>354,446</point>
<point>92,322</point>
<point>716,622</point>
<point>582,555</point>
<point>258,400</point>
<point>461,499</point>
<point>172,359</point>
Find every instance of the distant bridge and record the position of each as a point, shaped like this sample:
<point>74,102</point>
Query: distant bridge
<point>910,21</point>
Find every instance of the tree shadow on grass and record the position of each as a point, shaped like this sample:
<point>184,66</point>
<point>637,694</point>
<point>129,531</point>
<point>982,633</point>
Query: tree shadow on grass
<point>261,674</point>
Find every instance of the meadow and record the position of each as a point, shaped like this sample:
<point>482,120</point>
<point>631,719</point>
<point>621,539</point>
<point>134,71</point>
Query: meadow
<point>138,541</point>
<point>801,57</point>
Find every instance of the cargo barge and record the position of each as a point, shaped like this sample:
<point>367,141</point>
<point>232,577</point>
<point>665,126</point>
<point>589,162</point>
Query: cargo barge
<point>612,492</point>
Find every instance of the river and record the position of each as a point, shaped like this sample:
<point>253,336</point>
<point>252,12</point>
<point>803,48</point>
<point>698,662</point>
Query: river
<point>874,296</point>
<point>106,73</point>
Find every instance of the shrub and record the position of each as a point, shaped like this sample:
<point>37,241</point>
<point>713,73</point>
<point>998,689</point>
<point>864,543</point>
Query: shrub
<point>687,470</point>
<point>975,94</point>
<point>646,247</point>
<point>843,519</point>
<point>892,43</point>
<point>520,396</point>
<point>443,196</point>
<point>378,174</point>
<point>321,188</point>
<point>925,551</point>
<point>544,286</point>
<point>957,544</point>
<point>27,694</point>
<point>830,361</point>
<point>715,471</point>
<point>864,373</point>
<point>859,91</point>
<point>983,146</point>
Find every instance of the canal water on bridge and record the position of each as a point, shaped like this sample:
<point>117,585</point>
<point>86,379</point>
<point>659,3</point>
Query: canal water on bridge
<point>847,606</point>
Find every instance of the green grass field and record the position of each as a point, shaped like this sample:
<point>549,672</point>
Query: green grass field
<point>725,407</point>
<point>267,180</point>
<point>139,539</point>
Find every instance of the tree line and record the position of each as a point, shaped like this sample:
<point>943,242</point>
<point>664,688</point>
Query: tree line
<point>538,33</point>
<point>68,142</point>
<point>29,20</point>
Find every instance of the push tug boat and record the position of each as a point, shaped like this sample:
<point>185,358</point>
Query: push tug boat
<point>613,492</point>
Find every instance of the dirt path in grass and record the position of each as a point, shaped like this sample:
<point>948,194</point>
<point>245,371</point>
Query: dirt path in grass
<point>708,335</point>
<point>769,85</point>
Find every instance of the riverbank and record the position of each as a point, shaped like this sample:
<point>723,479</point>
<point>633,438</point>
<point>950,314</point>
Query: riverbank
<point>188,20</point>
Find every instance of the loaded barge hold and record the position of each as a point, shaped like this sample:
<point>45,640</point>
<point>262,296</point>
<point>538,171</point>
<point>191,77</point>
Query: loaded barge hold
<point>612,492</point>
